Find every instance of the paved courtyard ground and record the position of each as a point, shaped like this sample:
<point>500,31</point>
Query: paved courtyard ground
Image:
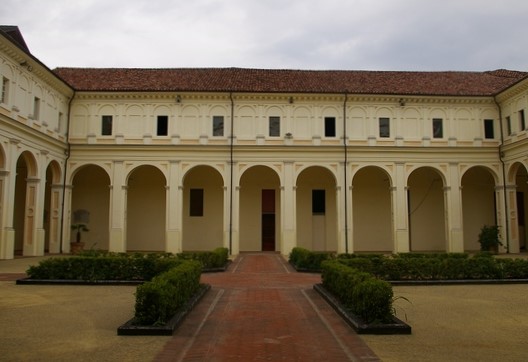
<point>259,310</point>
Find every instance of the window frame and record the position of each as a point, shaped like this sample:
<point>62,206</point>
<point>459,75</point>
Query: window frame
<point>318,202</point>
<point>435,123</point>
<point>217,130</point>
<point>489,126</point>
<point>381,126</point>
<point>330,129</point>
<point>274,126</point>
<point>107,125</point>
<point>4,97</point>
<point>162,124</point>
<point>522,120</point>
<point>36,108</point>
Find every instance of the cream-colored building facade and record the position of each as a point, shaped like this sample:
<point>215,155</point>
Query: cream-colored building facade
<point>193,159</point>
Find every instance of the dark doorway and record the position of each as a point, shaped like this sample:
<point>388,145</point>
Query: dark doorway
<point>268,220</point>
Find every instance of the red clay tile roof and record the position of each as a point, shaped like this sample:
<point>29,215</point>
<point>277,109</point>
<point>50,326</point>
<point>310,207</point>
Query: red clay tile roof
<point>290,81</point>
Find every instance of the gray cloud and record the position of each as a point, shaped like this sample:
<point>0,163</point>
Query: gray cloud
<point>299,34</point>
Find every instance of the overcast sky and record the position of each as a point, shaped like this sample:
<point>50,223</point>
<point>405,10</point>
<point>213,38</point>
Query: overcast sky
<point>294,34</point>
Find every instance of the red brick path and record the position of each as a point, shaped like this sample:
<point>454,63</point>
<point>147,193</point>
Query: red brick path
<point>262,310</point>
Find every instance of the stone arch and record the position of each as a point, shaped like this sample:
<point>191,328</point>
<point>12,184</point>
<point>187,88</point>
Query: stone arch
<point>372,210</point>
<point>146,209</point>
<point>316,209</point>
<point>478,203</point>
<point>260,214</point>
<point>203,208</point>
<point>426,199</point>
<point>90,204</point>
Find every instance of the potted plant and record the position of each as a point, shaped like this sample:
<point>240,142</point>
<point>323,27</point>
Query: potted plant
<point>78,245</point>
<point>489,238</point>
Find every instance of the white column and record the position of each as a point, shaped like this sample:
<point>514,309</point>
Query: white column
<point>344,219</point>
<point>453,210</point>
<point>234,239</point>
<point>400,210</point>
<point>7,205</point>
<point>32,237</point>
<point>174,209</point>
<point>513,222</point>
<point>55,217</point>
<point>118,195</point>
<point>288,210</point>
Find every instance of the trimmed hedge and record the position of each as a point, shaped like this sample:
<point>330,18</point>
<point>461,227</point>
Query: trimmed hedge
<point>209,259</point>
<point>364,295</point>
<point>104,267</point>
<point>101,265</point>
<point>158,300</point>
<point>441,268</point>
<point>309,260</point>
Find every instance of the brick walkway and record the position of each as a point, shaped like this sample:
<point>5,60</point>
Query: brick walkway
<point>262,310</point>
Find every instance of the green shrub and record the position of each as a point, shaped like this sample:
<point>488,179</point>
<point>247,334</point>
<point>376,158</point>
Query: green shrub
<point>209,259</point>
<point>364,295</point>
<point>309,260</point>
<point>158,300</point>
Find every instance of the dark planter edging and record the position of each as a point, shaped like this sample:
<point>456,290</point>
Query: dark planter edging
<point>397,327</point>
<point>457,282</point>
<point>29,281</point>
<point>129,329</point>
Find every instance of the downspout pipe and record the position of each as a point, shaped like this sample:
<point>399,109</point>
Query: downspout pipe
<point>68,153</point>
<point>345,167</point>
<point>501,157</point>
<point>231,151</point>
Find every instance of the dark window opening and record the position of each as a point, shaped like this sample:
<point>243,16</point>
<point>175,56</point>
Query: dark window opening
<point>163,126</point>
<point>106,126</point>
<point>218,126</point>
<point>274,126</point>
<point>489,129</point>
<point>384,127</point>
<point>196,202</point>
<point>330,126</point>
<point>318,202</point>
<point>438,128</point>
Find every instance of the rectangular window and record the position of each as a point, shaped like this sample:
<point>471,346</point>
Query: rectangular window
<point>218,126</point>
<point>106,129</point>
<point>163,126</point>
<point>384,127</point>
<point>508,125</point>
<point>330,126</point>
<point>36,108</point>
<point>60,123</point>
<point>438,128</point>
<point>318,202</point>
<point>196,202</point>
<point>489,129</point>
<point>522,120</point>
<point>274,126</point>
<point>5,90</point>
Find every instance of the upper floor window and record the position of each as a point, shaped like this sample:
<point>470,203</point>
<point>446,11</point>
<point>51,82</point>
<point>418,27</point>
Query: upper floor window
<point>508,125</point>
<point>106,125</point>
<point>5,90</point>
<point>438,128</point>
<point>330,126</point>
<point>274,126</point>
<point>60,122</point>
<point>489,129</point>
<point>36,108</point>
<point>384,127</point>
<point>522,120</point>
<point>218,126</point>
<point>162,128</point>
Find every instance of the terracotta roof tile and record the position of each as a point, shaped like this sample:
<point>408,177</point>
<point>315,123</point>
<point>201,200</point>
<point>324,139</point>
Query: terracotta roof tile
<point>447,83</point>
